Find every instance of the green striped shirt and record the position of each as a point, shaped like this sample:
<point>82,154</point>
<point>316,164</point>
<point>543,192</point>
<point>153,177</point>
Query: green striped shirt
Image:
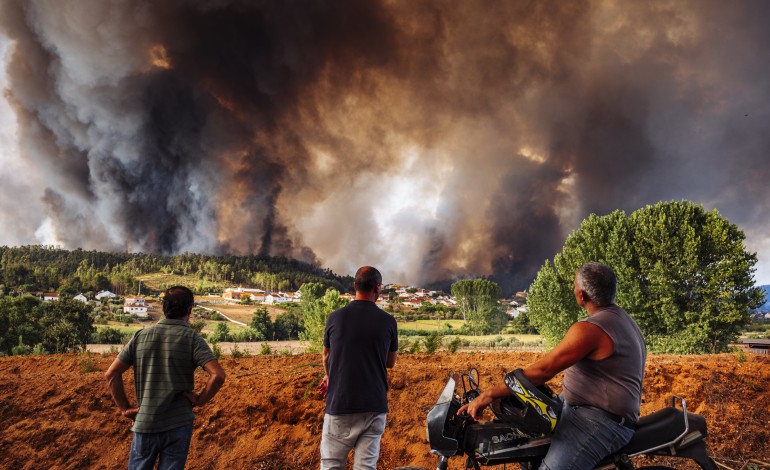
<point>165,357</point>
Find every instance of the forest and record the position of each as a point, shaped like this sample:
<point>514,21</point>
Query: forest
<point>38,268</point>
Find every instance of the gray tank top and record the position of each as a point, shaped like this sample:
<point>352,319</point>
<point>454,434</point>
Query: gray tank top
<point>613,384</point>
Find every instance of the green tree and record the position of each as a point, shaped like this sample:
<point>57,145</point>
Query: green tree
<point>521,325</point>
<point>19,317</point>
<point>683,274</point>
<point>108,336</point>
<point>288,325</point>
<point>262,323</point>
<point>478,300</point>
<point>315,310</point>
<point>221,333</point>
<point>67,325</point>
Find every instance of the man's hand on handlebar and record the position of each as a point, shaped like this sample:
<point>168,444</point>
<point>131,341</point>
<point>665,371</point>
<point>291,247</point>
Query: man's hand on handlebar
<point>475,407</point>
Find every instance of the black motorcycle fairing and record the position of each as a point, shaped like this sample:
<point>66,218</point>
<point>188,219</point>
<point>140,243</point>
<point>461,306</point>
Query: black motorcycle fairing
<point>496,442</point>
<point>443,424</point>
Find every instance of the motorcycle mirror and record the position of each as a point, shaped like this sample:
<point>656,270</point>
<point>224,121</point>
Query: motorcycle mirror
<point>473,376</point>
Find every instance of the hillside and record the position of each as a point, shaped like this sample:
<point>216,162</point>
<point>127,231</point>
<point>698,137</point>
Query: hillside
<point>57,413</point>
<point>765,307</point>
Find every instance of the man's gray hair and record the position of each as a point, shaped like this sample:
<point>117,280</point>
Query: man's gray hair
<point>598,282</point>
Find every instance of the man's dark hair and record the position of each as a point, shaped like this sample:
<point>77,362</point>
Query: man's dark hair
<point>366,279</point>
<point>598,282</point>
<point>177,302</point>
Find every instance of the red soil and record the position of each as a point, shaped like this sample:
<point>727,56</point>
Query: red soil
<point>56,412</point>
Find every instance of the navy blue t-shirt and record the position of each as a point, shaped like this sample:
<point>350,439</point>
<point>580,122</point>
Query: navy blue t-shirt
<point>359,337</point>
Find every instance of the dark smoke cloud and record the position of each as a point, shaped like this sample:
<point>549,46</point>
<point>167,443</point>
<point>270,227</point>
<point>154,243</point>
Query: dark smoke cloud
<point>434,139</point>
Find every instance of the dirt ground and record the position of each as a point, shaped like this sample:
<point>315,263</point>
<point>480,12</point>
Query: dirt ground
<point>56,412</point>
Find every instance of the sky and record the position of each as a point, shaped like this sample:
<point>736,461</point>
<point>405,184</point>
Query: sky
<point>433,140</point>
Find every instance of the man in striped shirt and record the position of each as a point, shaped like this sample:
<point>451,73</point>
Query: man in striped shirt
<point>164,357</point>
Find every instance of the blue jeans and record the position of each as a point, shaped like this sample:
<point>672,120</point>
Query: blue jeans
<point>359,431</point>
<point>170,446</point>
<point>583,437</point>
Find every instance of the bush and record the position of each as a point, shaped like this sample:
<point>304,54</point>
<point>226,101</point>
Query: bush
<point>455,344</point>
<point>216,350</point>
<point>265,349</point>
<point>236,353</point>
<point>87,362</point>
<point>21,349</point>
<point>215,316</point>
<point>197,325</point>
<point>107,336</point>
<point>413,332</point>
<point>740,355</point>
<point>415,348</point>
<point>248,335</point>
<point>432,342</point>
<point>220,333</point>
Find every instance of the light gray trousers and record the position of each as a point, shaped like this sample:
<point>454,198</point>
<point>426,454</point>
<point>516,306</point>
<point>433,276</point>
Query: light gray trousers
<point>359,431</point>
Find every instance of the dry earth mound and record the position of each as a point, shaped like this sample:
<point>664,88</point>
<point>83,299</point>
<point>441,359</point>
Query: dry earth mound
<point>56,412</point>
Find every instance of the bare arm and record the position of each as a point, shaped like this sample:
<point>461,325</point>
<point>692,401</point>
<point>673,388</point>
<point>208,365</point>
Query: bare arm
<point>326,354</point>
<point>114,376</point>
<point>324,386</point>
<point>582,340</point>
<point>216,379</point>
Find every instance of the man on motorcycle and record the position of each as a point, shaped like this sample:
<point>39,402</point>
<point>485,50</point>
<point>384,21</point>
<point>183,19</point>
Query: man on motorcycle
<point>604,357</point>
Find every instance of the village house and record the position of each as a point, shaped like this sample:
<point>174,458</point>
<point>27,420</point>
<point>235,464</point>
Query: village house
<point>135,306</point>
<point>81,298</point>
<point>50,296</point>
<point>239,293</point>
<point>104,294</point>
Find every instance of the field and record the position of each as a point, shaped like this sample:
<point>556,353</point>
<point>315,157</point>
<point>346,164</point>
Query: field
<point>57,413</point>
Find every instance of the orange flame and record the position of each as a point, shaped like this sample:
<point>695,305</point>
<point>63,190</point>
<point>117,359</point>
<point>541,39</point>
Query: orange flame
<point>159,57</point>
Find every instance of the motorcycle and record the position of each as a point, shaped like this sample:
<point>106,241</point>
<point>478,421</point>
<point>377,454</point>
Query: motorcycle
<point>670,432</point>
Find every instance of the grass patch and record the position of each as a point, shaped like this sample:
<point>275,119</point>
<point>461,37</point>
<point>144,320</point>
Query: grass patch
<point>430,325</point>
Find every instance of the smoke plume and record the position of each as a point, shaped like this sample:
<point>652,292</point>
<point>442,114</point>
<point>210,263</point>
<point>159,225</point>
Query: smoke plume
<point>432,139</point>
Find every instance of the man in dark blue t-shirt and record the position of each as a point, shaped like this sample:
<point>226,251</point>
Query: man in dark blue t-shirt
<point>360,343</point>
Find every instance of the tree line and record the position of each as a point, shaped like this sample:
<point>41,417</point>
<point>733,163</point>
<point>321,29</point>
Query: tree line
<point>45,268</point>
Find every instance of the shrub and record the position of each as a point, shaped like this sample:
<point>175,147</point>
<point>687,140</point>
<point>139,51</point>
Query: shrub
<point>21,349</point>
<point>216,350</point>
<point>415,348</point>
<point>455,344</point>
<point>107,336</point>
<point>432,342</point>
<point>740,355</point>
<point>220,333</point>
<point>215,316</point>
<point>236,353</point>
<point>265,350</point>
<point>87,362</point>
<point>197,325</point>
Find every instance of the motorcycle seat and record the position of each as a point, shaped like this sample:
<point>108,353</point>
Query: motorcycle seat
<point>660,427</point>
